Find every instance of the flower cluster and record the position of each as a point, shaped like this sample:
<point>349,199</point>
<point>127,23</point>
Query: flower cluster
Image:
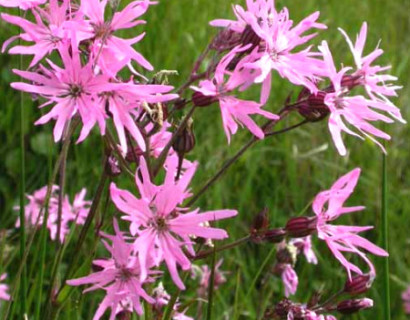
<point>76,212</point>
<point>83,72</point>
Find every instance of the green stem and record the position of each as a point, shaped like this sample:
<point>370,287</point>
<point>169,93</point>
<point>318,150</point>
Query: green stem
<point>173,300</point>
<point>44,210</point>
<point>86,227</point>
<point>43,234</point>
<point>385,242</point>
<point>257,275</point>
<point>269,125</point>
<point>211,286</point>
<point>204,254</point>
<point>23,286</point>
<point>162,157</point>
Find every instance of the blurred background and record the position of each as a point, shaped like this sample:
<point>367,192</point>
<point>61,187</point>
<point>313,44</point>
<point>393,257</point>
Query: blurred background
<point>281,173</point>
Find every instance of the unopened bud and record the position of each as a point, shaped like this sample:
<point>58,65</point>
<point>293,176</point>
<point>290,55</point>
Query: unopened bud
<point>354,305</point>
<point>134,154</point>
<point>185,140</point>
<point>314,108</point>
<point>123,315</point>
<point>283,307</point>
<point>359,284</point>
<point>180,103</point>
<point>275,235</point>
<point>226,40</point>
<point>261,221</point>
<point>201,100</point>
<point>250,37</point>
<point>301,226</point>
<point>287,254</point>
<point>350,81</point>
<point>112,167</point>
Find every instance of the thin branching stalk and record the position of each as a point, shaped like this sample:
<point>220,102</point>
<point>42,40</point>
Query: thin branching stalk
<point>90,217</point>
<point>385,242</point>
<point>283,113</point>
<point>211,287</point>
<point>205,254</point>
<point>164,152</point>
<point>258,273</point>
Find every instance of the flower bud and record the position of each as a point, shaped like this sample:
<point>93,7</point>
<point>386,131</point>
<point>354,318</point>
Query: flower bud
<point>226,40</point>
<point>283,307</point>
<point>201,100</point>
<point>112,167</point>
<point>359,284</point>
<point>287,254</point>
<point>123,315</point>
<point>301,226</point>
<point>180,103</point>
<point>351,81</point>
<point>354,305</point>
<point>134,155</point>
<point>314,108</point>
<point>185,140</point>
<point>250,37</point>
<point>261,221</point>
<point>275,235</point>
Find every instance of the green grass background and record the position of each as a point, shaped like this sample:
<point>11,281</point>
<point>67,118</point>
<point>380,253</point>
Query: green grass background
<point>282,173</point>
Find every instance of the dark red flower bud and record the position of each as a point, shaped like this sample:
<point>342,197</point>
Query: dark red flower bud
<point>314,108</point>
<point>133,155</point>
<point>299,227</point>
<point>123,315</point>
<point>275,235</point>
<point>349,81</point>
<point>201,100</point>
<point>185,140</point>
<point>359,284</point>
<point>250,37</point>
<point>261,221</point>
<point>180,103</point>
<point>112,167</point>
<point>283,307</point>
<point>226,40</point>
<point>354,305</point>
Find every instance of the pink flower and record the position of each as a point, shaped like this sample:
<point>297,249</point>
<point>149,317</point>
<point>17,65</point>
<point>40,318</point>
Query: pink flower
<point>406,300</point>
<point>233,110</point>
<point>328,206</point>
<point>22,4</point>
<point>377,85</point>
<point>119,277</point>
<point>290,280</point>
<point>163,228</point>
<point>204,274</point>
<point>80,207</point>
<point>4,288</point>
<point>113,52</point>
<point>357,110</point>
<point>162,299</point>
<point>305,245</point>
<point>73,89</point>
<point>78,212</point>
<point>124,104</point>
<point>47,33</point>
<point>278,40</point>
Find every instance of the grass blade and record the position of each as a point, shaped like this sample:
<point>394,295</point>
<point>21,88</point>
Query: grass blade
<point>385,242</point>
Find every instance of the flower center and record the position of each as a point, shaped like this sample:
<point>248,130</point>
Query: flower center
<point>75,90</point>
<point>102,30</point>
<point>124,274</point>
